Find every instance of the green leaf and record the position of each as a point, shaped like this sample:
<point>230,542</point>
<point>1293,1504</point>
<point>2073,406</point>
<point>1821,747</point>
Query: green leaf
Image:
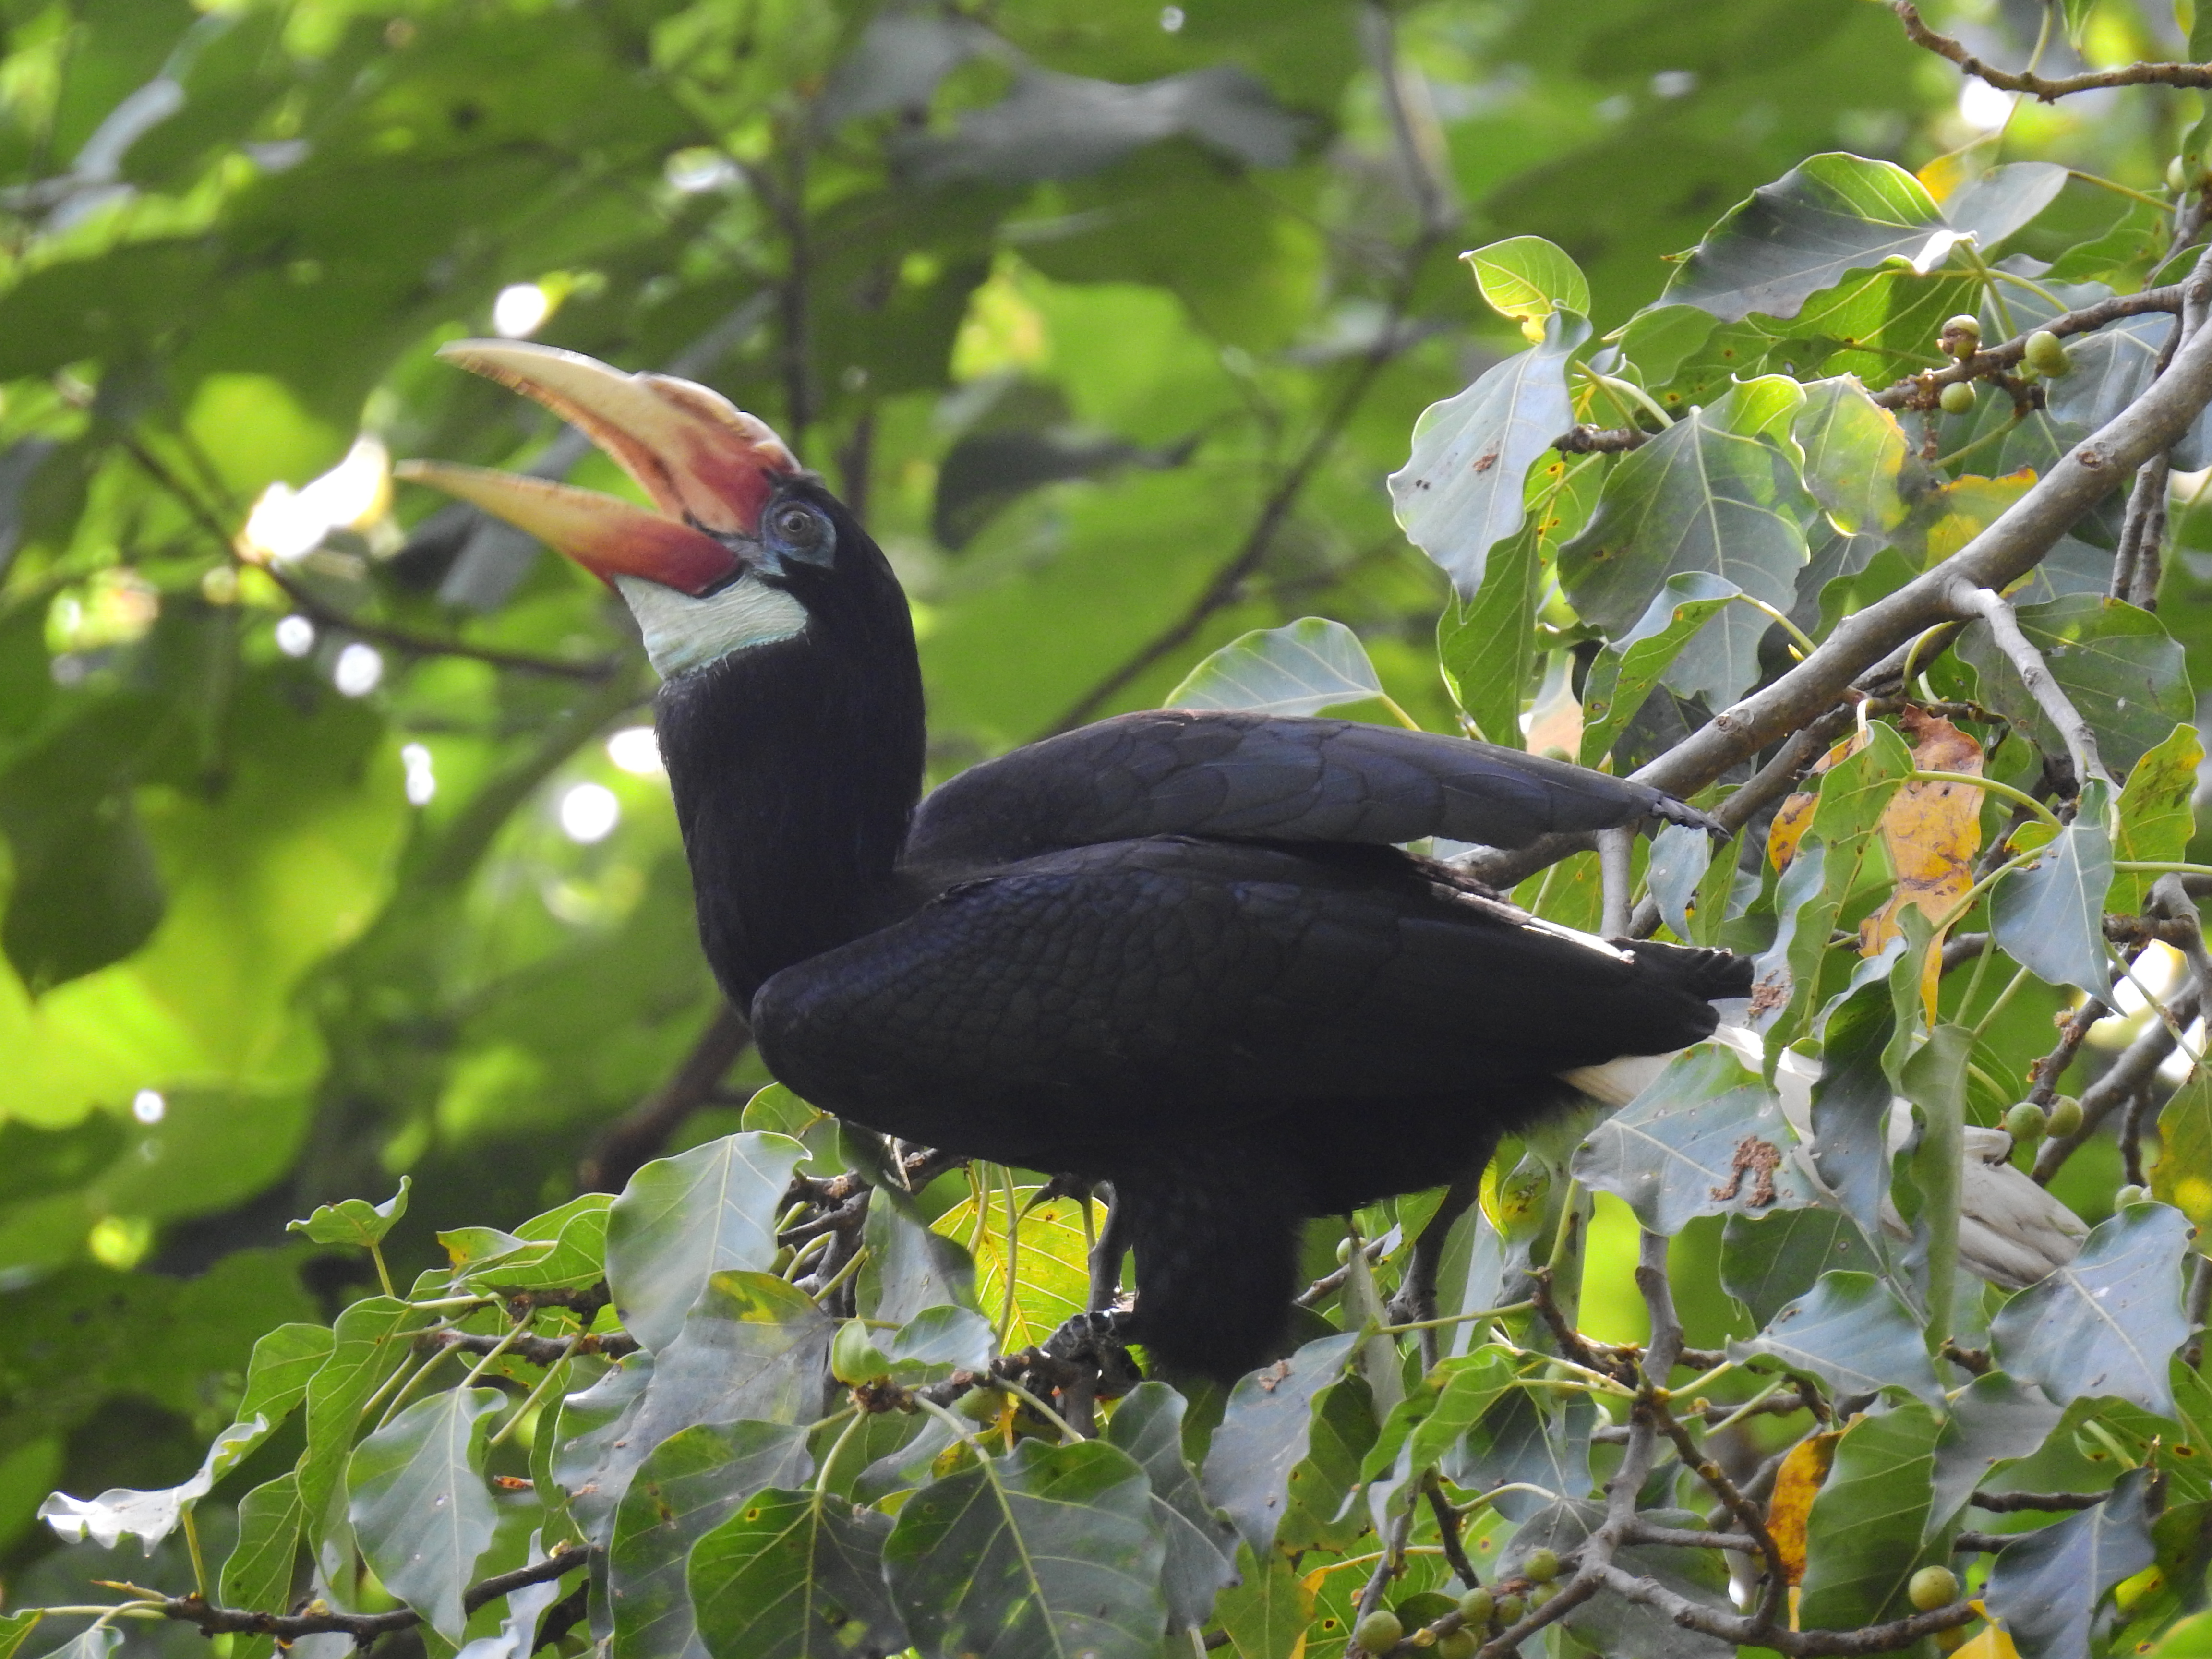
<point>2182,1174</point>
<point>15,1628</point>
<point>1049,1550</point>
<point>1865,1538</point>
<point>1630,665</point>
<point>354,1220</point>
<point>1300,668</point>
<point>1993,1423</point>
<point>794,1575</point>
<point>1853,1333</point>
<point>1520,1441</point>
<point>2105,1323</point>
<point>752,1346</point>
<point>1769,1262</point>
<point>1485,647</point>
<point>692,1482</point>
<point>1199,1548</point>
<point>1266,1430</point>
<point>2124,674</point>
<point>682,1219</point>
<point>1706,1138</point>
<point>419,1505</point>
<point>526,1608</point>
<point>909,1266</point>
<point>1463,489</point>
<point>1266,1613</point>
<point>97,1642</point>
<point>1716,493</point>
<point>1859,465</point>
<point>2004,199</point>
<point>284,1361</point>
<point>2156,819</point>
<point>1425,1427</point>
<point>2048,1585</point>
<point>1527,278</point>
<point>259,1573</point>
<point>370,1342</point>
<point>2050,917</point>
<point>1829,214</point>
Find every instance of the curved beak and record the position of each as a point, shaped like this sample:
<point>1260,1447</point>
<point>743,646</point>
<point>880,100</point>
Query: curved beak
<point>709,467</point>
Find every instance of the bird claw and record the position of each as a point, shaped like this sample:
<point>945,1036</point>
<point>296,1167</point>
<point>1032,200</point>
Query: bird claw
<point>1099,1339</point>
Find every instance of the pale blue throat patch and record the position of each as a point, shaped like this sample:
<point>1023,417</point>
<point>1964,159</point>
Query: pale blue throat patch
<point>682,632</point>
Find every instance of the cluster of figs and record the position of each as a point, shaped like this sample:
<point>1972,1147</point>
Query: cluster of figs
<point>1962,338</point>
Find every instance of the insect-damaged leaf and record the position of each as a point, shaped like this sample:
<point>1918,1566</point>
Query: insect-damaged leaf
<point>1931,830</point>
<point>1460,491</point>
<point>2155,820</point>
<point>1828,215</point>
<point>2108,1321</point>
<point>1706,1138</point>
<point>1300,668</point>
<point>1717,493</point>
<point>1264,1434</point>
<point>1049,1549</point>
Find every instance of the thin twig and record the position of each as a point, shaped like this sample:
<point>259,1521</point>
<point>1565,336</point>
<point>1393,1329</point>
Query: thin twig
<point>2135,1068</point>
<point>2011,1503</point>
<point>363,1627</point>
<point>2047,88</point>
<point>1969,600</point>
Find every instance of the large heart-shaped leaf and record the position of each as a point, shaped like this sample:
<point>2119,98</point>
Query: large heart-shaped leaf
<point>682,1219</point>
<point>2047,1585</point>
<point>2108,1321</point>
<point>1200,1548</point>
<point>1716,493</point>
<point>1050,1550</point>
<point>794,1575</point>
<point>1864,1540</point>
<point>1265,1432</point>
<point>2050,917</point>
<point>1829,214</point>
<point>419,1506</point>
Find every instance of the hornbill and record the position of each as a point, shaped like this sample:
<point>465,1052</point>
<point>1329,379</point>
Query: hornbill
<point>1180,952</point>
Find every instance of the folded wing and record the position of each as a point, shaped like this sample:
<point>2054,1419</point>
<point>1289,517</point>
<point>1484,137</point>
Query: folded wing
<point>1268,777</point>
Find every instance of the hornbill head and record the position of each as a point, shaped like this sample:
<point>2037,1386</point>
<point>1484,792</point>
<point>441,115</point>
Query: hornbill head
<point>745,540</point>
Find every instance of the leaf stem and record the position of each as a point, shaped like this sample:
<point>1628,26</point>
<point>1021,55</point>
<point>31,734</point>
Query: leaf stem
<point>545,1382</point>
<point>193,1544</point>
<point>2005,791</point>
<point>2118,189</point>
<point>1618,386</point>
<point>830,1459</point>
<point>1453,1319</point>
<point>1798,635</point>
<point>1989,1019</point>
<point>383,1273</point>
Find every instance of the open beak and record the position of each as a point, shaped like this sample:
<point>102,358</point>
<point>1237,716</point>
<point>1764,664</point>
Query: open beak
<point>709,467</point>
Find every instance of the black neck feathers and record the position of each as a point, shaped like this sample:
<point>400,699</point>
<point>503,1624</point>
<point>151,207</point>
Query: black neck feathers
<point>796,767</point>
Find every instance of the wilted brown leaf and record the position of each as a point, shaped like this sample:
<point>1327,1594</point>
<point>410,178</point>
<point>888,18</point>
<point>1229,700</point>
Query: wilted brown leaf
<point>1795,816</point>
<point>1794,1489</point>
<point>1932,831</point>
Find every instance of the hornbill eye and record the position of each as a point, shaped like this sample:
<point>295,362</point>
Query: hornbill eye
<point>799,530</point>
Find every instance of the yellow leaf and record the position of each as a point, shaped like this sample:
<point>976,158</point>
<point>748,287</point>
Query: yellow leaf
<point>1794,1488</point>
<point>1948,517</point>
<point>1795,816</point>
<point>1051,1267</point>
<point>1932,831</point>
<point>1991,1641</point>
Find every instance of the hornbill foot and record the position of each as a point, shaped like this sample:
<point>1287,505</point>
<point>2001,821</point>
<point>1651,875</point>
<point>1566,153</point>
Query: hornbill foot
<point>1098,1341</point>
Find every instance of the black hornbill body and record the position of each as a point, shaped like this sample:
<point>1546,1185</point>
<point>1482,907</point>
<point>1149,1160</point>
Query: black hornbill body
<point>1178,951</point>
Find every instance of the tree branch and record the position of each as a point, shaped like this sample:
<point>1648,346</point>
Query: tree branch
<point>2130,1071</point>
<point>2051,697</point>
<point>2047,87</point>
<point>363,1627</point>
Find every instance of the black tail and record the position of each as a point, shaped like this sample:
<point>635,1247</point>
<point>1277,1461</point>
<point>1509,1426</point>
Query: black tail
<point>1216,1240</point>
